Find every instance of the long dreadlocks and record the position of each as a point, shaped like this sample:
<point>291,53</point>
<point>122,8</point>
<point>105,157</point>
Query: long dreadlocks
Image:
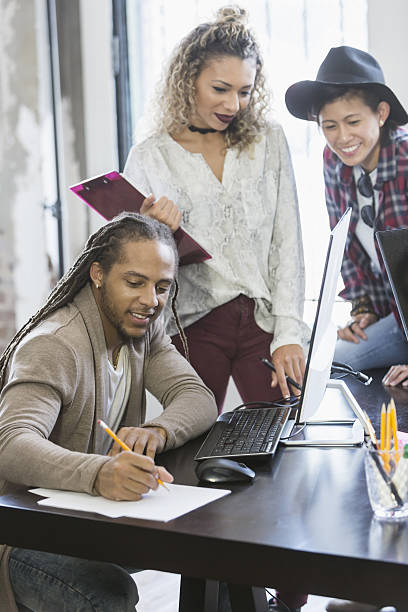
<point>104,246</point>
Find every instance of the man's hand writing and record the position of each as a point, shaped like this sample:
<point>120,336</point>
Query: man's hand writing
<point>128,476</point>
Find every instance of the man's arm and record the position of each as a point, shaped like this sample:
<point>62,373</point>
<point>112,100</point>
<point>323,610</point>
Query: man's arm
<point>36,404</point>
<point>189,406</point>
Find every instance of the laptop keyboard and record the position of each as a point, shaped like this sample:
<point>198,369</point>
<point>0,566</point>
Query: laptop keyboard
<point>251,431</point>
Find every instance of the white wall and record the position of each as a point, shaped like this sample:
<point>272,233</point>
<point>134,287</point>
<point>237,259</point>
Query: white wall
<point>388,42</point>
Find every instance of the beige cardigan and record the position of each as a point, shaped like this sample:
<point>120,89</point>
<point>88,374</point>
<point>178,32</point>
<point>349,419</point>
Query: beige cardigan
<point>56,389</point>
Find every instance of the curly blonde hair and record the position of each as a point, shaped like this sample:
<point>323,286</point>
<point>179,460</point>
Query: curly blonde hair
<point>227,35</point>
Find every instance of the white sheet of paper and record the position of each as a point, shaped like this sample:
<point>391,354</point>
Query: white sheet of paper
<point>158,505</point>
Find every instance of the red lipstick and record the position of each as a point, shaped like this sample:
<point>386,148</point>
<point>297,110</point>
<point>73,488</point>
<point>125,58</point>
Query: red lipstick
<point>224,118</point>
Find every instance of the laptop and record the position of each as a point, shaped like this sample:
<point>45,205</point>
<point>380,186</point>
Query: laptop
<point>256,432</point>
<point>110,194</point>
<point>394,250</point>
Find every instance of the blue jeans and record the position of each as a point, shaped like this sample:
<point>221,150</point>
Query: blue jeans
<point>385,346</point>
<point>48,582</point>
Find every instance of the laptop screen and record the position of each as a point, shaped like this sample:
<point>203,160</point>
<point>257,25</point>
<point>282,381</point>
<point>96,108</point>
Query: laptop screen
<point>324,333</point>
<point>394,250</point>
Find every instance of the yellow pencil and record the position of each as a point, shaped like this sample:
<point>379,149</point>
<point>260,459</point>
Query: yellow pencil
<point>382,428</point>
<point>394,423</point>
<point>122,444</point>
<point>387,439</point>
<point>394,428</point>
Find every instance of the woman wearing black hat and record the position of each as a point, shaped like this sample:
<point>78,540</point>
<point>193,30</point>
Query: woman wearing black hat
<point>366,168</point>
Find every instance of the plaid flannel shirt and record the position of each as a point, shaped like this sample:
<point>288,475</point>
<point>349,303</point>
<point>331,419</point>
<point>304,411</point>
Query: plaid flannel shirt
<point>359,277</point>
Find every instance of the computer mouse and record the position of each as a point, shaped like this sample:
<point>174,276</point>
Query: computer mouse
<point>218,469</point>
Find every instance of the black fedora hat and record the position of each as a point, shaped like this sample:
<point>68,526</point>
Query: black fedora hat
<point>345,66</point>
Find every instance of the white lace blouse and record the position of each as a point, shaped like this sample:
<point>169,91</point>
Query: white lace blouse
<point>249,223</point>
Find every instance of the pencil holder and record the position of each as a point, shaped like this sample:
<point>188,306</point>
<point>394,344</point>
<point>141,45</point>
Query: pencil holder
<point>387,483</point>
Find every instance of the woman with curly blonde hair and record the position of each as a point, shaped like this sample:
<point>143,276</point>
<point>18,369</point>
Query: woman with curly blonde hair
<point>217,163</point>
<point>177,102</point>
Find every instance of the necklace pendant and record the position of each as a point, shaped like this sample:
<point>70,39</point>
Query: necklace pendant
<point>115,357</point>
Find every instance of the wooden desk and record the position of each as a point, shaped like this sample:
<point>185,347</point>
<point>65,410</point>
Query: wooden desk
<point>304,524</point>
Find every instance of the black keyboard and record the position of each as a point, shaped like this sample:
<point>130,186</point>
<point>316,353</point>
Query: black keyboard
<point>246,432</point>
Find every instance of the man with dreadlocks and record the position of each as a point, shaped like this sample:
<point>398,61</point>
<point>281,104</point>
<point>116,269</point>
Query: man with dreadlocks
<point>89,354</point>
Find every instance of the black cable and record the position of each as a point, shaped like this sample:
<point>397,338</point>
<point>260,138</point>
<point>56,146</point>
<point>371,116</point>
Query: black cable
<point>345,368</point>
<point>293,400</point>
<point>338,377</point>
<point>294,433</point>
<point>277,600</point>
<point>260,404</point>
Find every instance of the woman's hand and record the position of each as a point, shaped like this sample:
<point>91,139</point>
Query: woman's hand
<point>397,374</point>
<point>142,440</point>
<point>289,360</point>
<point>354,331</point>
<point>163,210</point>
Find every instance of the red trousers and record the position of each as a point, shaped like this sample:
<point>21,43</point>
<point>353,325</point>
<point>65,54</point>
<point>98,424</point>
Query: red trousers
<point>228,342</point>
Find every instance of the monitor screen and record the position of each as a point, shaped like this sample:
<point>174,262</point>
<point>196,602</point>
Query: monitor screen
<point>324,333</point>
<point>394,250</point>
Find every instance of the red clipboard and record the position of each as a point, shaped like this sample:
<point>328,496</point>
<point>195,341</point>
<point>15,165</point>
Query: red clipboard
<point>110,194</point>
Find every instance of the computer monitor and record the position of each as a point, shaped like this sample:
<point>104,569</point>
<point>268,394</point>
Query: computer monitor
<point>324,333</point>
<point>394,250</point>
<point>318,391</point>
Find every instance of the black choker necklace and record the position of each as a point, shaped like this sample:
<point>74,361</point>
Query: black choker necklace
<point>193,128</point>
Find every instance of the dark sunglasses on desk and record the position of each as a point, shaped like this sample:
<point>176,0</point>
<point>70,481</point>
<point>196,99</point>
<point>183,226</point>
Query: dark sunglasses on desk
<point>365,187</point>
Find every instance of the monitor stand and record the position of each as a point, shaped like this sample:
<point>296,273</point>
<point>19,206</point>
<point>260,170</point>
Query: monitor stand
<point>337,429</point>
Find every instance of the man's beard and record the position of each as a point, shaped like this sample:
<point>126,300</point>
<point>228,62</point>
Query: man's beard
<point>110,313</point>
